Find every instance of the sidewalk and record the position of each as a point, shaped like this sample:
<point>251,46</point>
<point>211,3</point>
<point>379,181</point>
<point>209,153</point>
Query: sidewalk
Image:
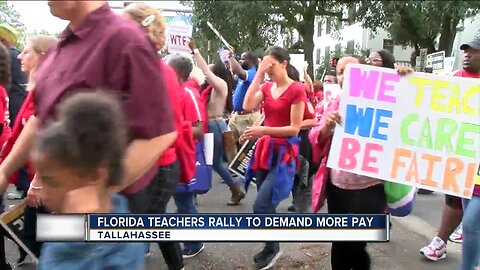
<point>401,253</point>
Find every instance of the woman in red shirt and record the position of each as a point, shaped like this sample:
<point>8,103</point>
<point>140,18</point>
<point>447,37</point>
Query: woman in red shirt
<point>284,104</point>
<point>4,83</point>
<point>170,170</point>
<point>31,57</point>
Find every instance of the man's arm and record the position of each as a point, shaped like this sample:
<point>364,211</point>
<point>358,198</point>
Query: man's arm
<point>236,67</point>
<point>149,115</point>
<point>20,152</point>
<point>141,155</point>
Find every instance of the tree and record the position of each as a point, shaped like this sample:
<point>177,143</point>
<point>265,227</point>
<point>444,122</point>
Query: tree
<point>43,32</point>
<point>10,16</point>
<point>245,26</point>
<point>301,15</point>
<point>326,61</point>
<point>418,23</point>
<point>250,27</point>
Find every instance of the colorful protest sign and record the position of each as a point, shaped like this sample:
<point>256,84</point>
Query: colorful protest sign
<point>330,92</point>
<point>13,222</point>
<point>421,130</point>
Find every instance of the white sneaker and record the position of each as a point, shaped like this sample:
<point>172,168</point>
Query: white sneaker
<point>457,235</point>
<point>436,250</point>
<point>14,195</point>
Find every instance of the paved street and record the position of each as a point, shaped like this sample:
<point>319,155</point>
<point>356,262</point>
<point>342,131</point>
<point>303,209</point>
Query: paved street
<point>408,236</point>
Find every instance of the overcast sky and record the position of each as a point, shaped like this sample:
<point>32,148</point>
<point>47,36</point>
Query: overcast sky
<point>36,14</point>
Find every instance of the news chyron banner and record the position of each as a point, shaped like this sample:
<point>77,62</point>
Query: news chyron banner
<point>421,130</point>
<point>213,228</point>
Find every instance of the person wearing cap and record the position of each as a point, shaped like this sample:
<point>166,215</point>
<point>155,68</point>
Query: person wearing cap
<point>471,208</point>
<point>453,212</point>
<point>471,59</point>
<point>16,92</point>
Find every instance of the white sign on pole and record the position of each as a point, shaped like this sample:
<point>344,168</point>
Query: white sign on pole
<point>298,61</point>
<point>179,34</point>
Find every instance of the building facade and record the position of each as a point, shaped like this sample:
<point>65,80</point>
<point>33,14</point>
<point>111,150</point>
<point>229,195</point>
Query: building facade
<point>355,38</point>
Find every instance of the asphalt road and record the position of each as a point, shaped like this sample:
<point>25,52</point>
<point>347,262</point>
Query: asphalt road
<point>401,253</point>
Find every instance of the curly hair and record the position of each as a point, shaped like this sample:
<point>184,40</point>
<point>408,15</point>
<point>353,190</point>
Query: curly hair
<point>89,134</point>
<point>4,67</point>
<point>156,24</point>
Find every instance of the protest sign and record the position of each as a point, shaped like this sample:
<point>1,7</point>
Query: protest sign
<point>298,61</point>
<point>330,92</point>
<point>241,161</point>
<point>178,38</point>
<point>223,53</point>
<point>421,130</point>
<point>13,222</point>
<point>436,61</point>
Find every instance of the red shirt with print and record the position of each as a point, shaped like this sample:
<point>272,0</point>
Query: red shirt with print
<point>4,117</point>
<point>193,85</point>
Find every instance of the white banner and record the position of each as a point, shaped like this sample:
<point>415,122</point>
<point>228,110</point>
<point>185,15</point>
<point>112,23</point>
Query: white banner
<point>178,37</point>
<point>421,129</point>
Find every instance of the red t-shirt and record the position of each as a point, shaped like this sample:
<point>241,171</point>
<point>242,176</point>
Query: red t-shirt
<point>25,112</point>
<point>4,117</point>
<point>466,74</point>
<point>193,110</point>
<point>193,85</point>
<point>174,91</point>
<point>277,111</point>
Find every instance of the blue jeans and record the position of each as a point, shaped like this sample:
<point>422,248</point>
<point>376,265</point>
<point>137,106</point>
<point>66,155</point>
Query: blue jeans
<point>471,233</point>
<point>186,205</point>
<point>263,202</point>
<point>218,127</point>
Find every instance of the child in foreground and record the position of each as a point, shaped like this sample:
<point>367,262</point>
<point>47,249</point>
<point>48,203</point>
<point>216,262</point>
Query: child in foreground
<point>77,159</point>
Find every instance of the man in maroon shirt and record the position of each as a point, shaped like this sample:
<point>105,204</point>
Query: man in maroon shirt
<point>101,50</point>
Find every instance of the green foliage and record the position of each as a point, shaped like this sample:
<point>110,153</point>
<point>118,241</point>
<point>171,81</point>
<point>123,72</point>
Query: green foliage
<point>245,25</point>
<point>417,23</point>
<point>258,25</point>
<point>9,15</point>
